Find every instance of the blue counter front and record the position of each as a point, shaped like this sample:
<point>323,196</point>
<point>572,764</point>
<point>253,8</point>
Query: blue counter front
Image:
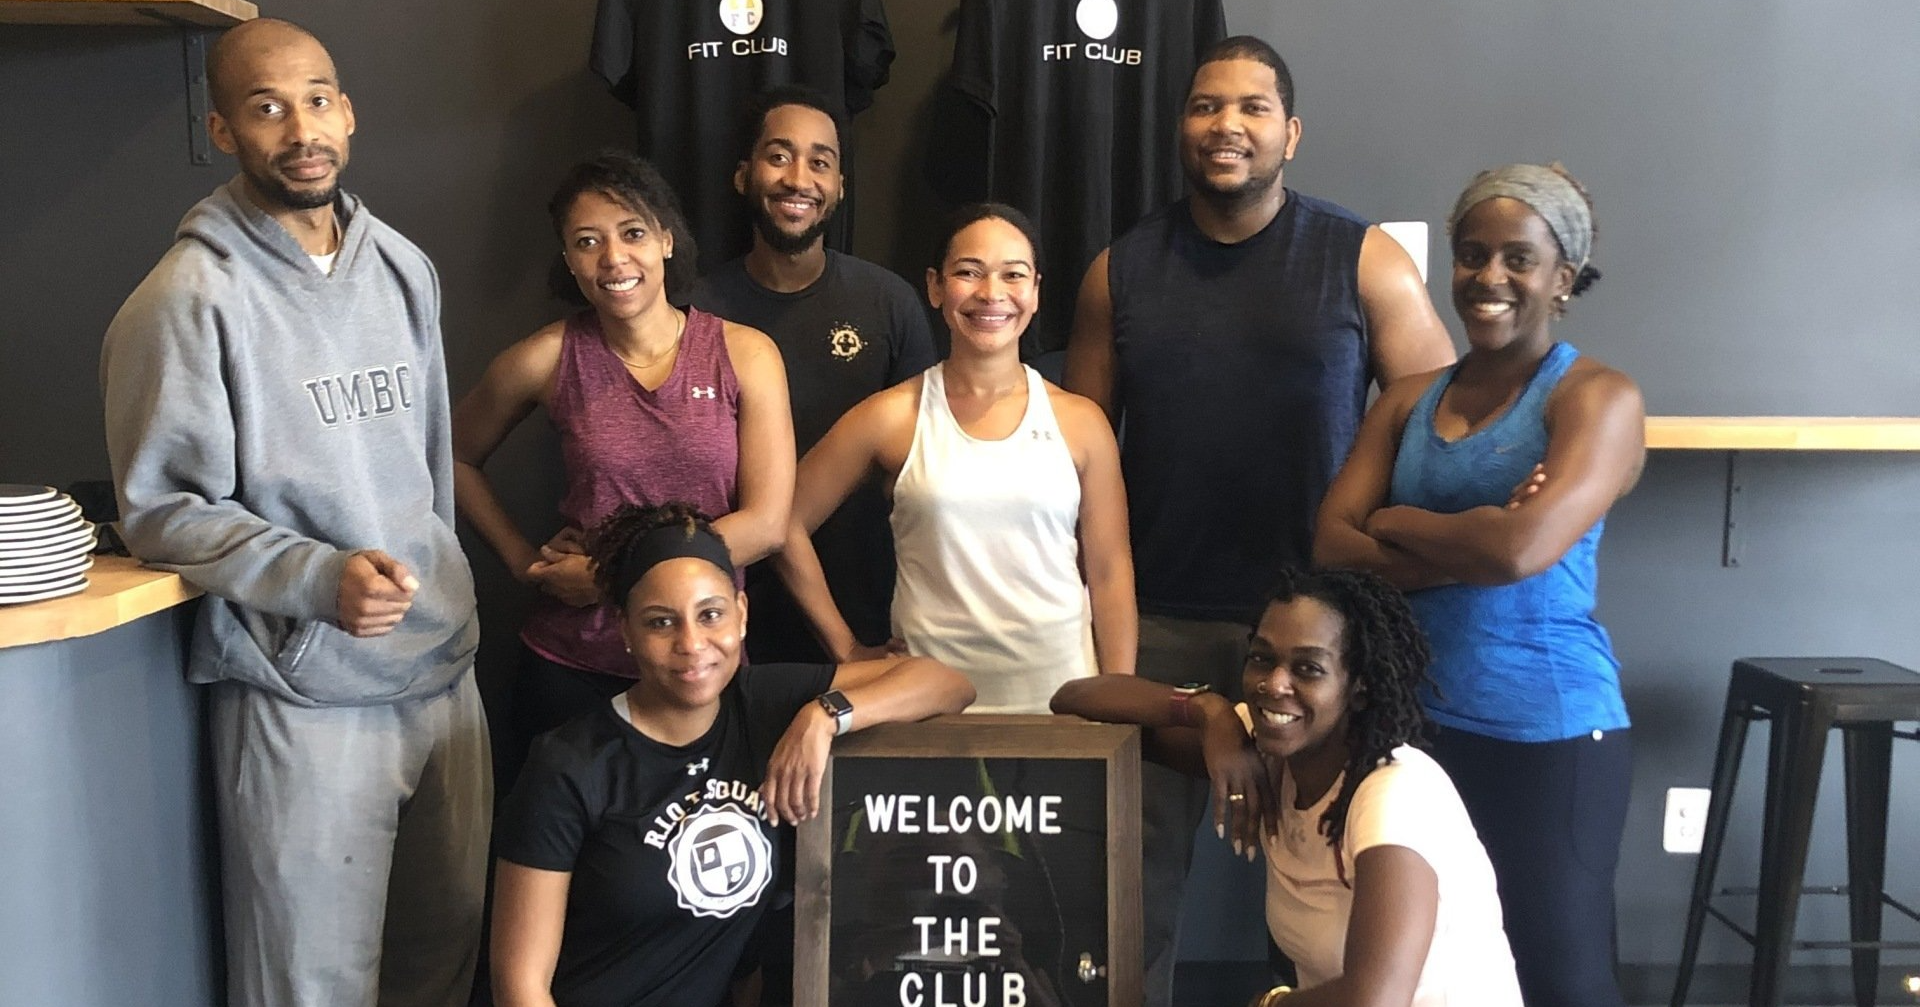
<point>108,884</point>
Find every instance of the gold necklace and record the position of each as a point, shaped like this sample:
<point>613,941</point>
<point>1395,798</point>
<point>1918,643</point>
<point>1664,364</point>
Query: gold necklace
<point>680,329</point>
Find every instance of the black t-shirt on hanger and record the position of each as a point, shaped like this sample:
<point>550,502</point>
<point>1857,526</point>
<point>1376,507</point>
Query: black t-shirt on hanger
<point>689,67</point>
<point>1068,110</point>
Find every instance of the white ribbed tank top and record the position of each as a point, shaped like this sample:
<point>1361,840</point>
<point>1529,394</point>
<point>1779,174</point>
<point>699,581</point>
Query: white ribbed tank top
<point>985,534</point>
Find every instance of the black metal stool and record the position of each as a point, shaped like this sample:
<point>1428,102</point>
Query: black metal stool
<point>1804,698</point>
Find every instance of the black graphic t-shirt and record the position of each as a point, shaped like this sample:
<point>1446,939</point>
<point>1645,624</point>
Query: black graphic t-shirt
<point>858,329</point>
<point>689,67</point>
<point>672,860</point>
<point>1068,109</point>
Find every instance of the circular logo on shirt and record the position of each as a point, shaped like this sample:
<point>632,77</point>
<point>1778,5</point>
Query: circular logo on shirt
<point>742,16</point>
<point>721,861</point>
<point>1097,18</point>
<point>846,341</point>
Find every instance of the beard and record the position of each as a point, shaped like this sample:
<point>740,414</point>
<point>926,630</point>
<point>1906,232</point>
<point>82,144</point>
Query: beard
<point>1250,190</point>
<point>297,199</point>
<point>278,190</point>
<point>786,242</point>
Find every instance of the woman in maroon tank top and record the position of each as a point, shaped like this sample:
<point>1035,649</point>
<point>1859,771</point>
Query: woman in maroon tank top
<point>651,402</point>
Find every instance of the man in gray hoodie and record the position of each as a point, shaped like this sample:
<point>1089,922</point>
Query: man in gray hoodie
<point>277,420</point>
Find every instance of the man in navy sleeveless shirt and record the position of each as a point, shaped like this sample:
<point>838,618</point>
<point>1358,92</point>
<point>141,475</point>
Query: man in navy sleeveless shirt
<point>1232,338</point>
<point>846,329</point>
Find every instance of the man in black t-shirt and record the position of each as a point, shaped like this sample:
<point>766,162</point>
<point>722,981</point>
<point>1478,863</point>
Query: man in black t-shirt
<point>846,329</point>
<point>687,67</point>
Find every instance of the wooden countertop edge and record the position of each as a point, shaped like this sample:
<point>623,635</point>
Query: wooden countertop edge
<point>119,591</point>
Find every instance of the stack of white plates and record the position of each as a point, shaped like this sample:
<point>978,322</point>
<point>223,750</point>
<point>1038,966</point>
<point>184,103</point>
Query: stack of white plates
<point>45,545</point>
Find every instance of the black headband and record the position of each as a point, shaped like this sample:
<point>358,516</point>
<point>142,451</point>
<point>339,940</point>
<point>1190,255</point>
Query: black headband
<point>662,544</point>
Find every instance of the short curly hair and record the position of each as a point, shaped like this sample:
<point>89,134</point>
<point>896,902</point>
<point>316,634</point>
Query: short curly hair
<point>1386,656</point>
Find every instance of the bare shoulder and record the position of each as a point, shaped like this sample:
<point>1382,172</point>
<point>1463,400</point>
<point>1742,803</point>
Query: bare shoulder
<point>1382,257</point>
<point>744,342</point>
<point>1400,395</point>
<point>1076,413</point>
<point>535,357</point>
<point>1591,384</point>
<point>892,404</point>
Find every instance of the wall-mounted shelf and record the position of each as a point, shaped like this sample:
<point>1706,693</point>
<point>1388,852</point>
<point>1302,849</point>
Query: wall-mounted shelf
<point>194,18</point>
<point>179,13</point>
<point>1734,434</point>
<point>1784,433</point>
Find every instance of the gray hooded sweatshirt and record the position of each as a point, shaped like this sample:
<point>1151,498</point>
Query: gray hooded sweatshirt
<point>264,421</point>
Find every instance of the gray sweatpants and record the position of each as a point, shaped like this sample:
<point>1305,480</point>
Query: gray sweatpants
<point>353,847</point>
<point>1176,651</point>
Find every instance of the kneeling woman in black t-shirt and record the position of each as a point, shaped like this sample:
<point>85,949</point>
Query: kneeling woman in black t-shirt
<point>638,849</point>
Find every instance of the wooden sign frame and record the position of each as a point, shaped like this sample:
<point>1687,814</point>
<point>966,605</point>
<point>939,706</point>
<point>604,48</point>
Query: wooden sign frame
<point>992,737</point>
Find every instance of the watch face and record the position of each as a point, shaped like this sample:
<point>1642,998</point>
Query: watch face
<point>836,703</point>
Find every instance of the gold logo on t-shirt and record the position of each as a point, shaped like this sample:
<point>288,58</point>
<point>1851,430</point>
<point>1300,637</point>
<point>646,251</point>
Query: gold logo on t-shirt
<point>846,341</point>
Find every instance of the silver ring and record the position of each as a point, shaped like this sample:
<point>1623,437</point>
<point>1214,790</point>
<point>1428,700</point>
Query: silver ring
<point>1236,797</point>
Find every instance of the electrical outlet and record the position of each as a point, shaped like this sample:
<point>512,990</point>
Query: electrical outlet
<point>1686,819</point>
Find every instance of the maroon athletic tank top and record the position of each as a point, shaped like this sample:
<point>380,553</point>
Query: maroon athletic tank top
<point>624,444</point>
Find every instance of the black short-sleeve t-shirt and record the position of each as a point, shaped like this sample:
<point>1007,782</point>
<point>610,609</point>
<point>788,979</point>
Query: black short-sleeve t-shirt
<point>672,859</point>
<point>858,329</point>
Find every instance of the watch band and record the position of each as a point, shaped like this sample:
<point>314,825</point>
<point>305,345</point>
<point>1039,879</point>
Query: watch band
<point>837,706</point>
<point>1180,704</point>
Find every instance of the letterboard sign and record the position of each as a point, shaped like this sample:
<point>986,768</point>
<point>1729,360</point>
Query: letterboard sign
<point>973,861</point>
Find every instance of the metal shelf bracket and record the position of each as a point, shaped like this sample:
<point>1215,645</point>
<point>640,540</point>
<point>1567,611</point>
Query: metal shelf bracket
<point>194,54</point>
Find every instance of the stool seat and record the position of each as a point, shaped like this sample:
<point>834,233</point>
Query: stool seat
<point>1803,698</point>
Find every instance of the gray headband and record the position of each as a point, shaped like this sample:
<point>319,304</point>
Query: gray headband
<point>1548,193</point>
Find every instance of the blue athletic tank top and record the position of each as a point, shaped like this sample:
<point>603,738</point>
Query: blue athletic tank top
<point>1241,374</point>
<point>1523,661</point>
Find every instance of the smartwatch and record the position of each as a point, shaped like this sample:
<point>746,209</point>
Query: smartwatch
<point>835,703</point>
<point>1180,704</point>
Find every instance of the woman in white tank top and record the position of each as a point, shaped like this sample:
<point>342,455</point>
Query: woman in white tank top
<point>1009,516</point>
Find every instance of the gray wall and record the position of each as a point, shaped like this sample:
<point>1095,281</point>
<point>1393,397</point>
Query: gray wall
<point>1756,165</point>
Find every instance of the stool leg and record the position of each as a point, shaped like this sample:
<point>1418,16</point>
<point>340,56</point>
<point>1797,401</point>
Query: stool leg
<point>1869,761</point>
<point>1797,747</point>
<point>1726,769</point>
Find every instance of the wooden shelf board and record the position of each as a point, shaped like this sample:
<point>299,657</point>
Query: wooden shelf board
<point>119,590</point>
<point>203,13</point>
<point>1784,433</point>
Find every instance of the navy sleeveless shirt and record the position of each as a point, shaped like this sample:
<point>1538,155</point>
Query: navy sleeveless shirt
<point>1241,374</point>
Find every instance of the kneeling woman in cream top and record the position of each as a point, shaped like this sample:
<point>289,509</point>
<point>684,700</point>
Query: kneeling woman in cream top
<point>1377,886</point>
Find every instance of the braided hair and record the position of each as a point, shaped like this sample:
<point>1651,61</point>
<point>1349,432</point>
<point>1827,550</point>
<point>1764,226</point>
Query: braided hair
<point>607,542</point>
<point>1386,657</point>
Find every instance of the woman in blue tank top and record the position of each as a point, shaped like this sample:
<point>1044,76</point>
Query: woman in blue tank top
<point>1481,489</point>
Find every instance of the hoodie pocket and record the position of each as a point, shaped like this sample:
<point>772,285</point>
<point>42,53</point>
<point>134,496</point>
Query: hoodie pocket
<point>293,645</point>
